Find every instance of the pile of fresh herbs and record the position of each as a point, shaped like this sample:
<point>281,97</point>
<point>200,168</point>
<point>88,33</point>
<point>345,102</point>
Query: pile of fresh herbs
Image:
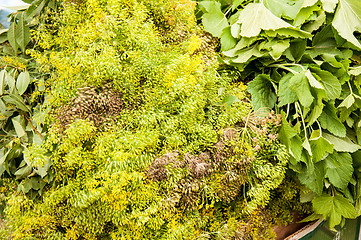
<point>303,59</point>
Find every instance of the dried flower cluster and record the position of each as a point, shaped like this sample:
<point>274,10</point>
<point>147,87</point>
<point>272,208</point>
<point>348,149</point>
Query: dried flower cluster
<point>96,105</point>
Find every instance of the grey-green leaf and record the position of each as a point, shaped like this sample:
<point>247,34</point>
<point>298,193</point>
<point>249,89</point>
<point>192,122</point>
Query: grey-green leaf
<point>22,33</point>
<point>23,82</point>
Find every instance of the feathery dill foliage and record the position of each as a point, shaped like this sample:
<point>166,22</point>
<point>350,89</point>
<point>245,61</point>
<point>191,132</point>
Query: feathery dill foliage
<point>174,161</point>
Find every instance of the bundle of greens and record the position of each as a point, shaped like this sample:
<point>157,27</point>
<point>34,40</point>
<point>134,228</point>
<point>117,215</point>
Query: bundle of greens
<point>303,59</point>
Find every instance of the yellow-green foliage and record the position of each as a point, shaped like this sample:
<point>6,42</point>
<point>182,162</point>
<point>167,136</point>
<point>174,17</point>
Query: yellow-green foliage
<point>151,52</point>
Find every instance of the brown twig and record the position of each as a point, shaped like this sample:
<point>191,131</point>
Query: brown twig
<point>32,126</point>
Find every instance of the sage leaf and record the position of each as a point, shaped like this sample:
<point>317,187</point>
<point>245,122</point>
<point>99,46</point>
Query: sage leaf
<point>11,37</point>
<point>2,81</point>
<point>18,128</point>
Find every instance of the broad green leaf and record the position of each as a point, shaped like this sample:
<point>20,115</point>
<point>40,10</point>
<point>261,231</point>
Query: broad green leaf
<point>285,94</point>
<point>306,145</point>
<point>10,81</point>
<point>307,9</point>
<point>316,110</point>
<point>289,137</point>
<point>12,37</point>
<point>227,40</point>
<point>255,17</point>
<point>341,144</point>
<point>330,83</point>
<point>347,20</point>
<point>262,92</point>
<point>23,82</point>
<point>276,47</point>
<point>347,102</point>
<point>320,147</point>
<point>313,178</point>
<point>22,33</point>
<point>298,48</point>
<point>18,128</point>
<point>339,169</point>
<point>246,54</point>
<point>299,84</point>
<point>214,20</point>
<point>2,81</point>
<point>316,24</point>
<point>329,5</point>
<point>242,43</point>
<point>333,208</point>
<point>284,8</point>
<point>331,122</point>
<point>312,80</point>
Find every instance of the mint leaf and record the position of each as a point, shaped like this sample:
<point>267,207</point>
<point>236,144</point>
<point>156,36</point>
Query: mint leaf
<point>262,92</point>
<point>339,169</point>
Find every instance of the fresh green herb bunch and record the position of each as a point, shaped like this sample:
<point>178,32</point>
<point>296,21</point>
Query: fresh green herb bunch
<point>305,65</point>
